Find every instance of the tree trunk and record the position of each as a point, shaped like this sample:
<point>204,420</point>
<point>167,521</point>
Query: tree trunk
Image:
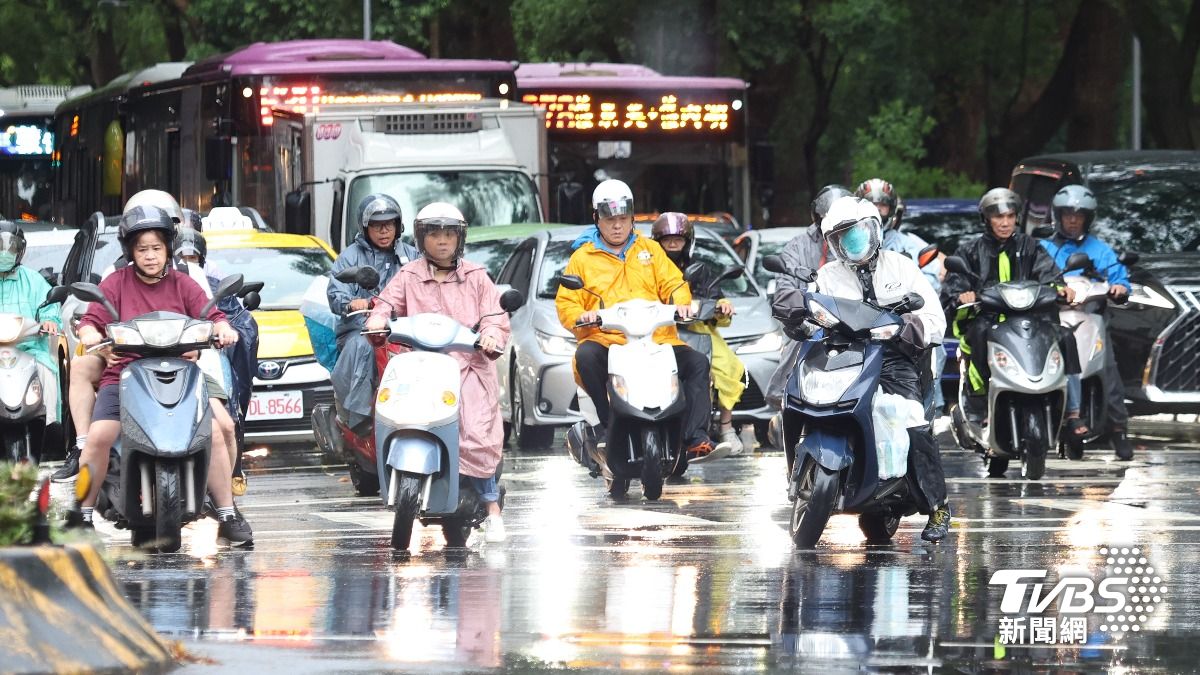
<point>1099,73</point>
<point>1168,65</point>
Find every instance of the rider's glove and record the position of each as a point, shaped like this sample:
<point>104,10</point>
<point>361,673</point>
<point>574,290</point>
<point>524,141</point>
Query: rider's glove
<point>910,339</point>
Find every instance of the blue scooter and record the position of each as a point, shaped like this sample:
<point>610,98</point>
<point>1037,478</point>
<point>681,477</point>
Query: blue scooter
<point>828,432</point>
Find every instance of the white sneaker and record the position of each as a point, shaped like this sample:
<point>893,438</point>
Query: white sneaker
<point>493,528</point>
<point>735,443</point>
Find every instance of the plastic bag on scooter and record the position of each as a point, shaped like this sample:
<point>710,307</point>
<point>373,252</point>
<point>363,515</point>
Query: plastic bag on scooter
<point>320,322</point>
<point>892,415</point>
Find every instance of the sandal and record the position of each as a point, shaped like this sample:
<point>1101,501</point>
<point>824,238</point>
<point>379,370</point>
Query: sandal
<point>1077,426</point>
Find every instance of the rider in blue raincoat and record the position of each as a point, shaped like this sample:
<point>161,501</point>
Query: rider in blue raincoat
<point>378,245</point>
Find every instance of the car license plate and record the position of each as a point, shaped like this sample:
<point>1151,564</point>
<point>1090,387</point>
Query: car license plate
<point>275,405</point>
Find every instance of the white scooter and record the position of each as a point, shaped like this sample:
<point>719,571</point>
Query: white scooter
<point>644,395</point>
<point>23,413</point>
<point>416,420</point>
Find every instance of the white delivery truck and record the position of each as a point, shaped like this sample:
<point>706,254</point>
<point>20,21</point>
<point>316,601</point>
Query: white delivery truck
<point>486,157</point>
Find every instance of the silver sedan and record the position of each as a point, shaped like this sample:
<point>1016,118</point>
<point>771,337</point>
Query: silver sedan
<point>538,390</point>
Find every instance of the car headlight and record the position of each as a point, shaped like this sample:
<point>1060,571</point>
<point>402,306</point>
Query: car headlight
<point>767,342</point>
<point>34,393</point>
<point>1145,295</point>
<point>1019,298</point>
<point>125,335</point>
<point>1004,362</point>
<point>1054,361</point>
<point>555,345</point>
<point>822,387</point>
<point>618,385</point>
<point>10,327</point>
<point>821,314</point>
<point>161,332</point>
<point>197,333</point>
<point>885,332</point>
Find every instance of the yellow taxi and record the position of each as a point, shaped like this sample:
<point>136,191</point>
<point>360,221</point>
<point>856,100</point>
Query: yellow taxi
<point>289,381</point>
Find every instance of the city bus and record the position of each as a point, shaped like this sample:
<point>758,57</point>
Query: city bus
<point>27,146</point>
<point>680,142</point>
<point>229,130</point>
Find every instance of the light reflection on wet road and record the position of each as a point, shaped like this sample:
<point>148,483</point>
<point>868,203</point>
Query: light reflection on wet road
<point>704,579</point>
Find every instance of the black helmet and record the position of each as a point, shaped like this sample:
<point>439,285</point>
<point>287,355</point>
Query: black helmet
<point>142,219</point>
<point>192,219</point>
<point>190,242</point>
<point>825,198</point>
<point>379,207</point>
<point>12,246</point>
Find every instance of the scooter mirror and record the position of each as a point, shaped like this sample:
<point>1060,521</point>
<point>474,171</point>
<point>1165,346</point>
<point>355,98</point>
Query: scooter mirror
<point>1043,232</point>
<point>913,301</point>
<point>92,293</point>
<point>229,286</point>
<point>774,263</point>
<point>1128,258</point>
<point>694,270</point>
<point>958,266</point>
<point>512,300</point>
<point>570,282</point>
<point>367,278</point>
<point>251,287</point>
<point>348,275</point>
<point>251,301</point>
<point>56,295</point>
<point>1078,261</point>
<point>927,255</point>
<point>731,272</point>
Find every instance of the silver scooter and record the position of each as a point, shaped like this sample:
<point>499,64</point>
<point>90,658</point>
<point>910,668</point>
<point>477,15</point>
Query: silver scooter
<point>23,413</point>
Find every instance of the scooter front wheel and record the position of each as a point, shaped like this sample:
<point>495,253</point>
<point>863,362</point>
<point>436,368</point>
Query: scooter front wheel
<point>814,503</point>
<point>408,500</point>
<point>653,450</point>
<point>168,508</point>
<point>1036,445</point>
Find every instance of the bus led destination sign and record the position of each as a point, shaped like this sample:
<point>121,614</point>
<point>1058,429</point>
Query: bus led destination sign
<point>608,112</point>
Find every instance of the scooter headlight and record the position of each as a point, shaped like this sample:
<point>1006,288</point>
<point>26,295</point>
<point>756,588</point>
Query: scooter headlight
<point>1054,362</point>
<point>822,387</point>
<point>125,335</point>
<point>1003,361</point>
<point>10,327</point>
<point>885,332</point>
<point>161,332</point>
<point>34,393</point>
<point>1020,299</point>
<point>820,314</point>
<point>197,333</point>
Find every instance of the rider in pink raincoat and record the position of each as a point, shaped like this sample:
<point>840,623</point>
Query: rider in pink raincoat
<point>441,282</point>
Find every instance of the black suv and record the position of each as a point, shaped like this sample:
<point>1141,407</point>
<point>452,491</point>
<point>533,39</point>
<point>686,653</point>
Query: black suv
<point>1149,202</point>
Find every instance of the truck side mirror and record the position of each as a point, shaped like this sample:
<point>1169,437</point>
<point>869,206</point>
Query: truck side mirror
<point>218,158</point>
<point>297,217</point>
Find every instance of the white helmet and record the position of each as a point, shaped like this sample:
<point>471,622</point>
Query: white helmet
<point>852,230</point>
<point>612,198</point>
<point>156,198</point>
<point>440,216</point>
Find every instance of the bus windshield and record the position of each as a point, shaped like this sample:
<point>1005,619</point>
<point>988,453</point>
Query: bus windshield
<point>484,197</point>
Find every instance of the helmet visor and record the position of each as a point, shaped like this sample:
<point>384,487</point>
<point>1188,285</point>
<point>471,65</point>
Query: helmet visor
<point>1001,207</point>
<point>440,223</point>
<point>607,208</point>
<point>12,247</point>
<point>857,242</point>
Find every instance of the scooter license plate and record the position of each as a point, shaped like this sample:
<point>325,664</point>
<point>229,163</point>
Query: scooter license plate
<point>275,405</point>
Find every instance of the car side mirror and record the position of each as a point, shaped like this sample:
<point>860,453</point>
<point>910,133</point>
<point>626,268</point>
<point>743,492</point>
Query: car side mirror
<point>570,282</point>
<point>297,212</point>
<point>1078,261</point>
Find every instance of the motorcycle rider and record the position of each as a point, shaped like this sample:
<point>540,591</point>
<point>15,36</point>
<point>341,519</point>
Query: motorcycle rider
<point>150,283</point>
<point>377,245</point>
<point>885,198</point>
<point>22,290</point>
<point>674,232</point>
<point>1073,211</point>
<point>618,265</point>
<point>861,270</point>
<point>998,255</point>
<point>86,369</point>
<point>442,282</point>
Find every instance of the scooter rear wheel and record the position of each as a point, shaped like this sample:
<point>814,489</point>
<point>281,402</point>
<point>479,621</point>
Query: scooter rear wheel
<point>408,501</point>
<point>879,527</point>
<point>168,508</point>
<point>366,484</point>
<point>997,467</point>
<point>814,503</point>
<point>456,533</point>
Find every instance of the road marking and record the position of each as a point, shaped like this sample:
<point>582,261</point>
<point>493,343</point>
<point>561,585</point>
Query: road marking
<point>1114,509</point>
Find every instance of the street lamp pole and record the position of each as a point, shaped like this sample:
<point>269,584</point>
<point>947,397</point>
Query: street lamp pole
<point>366,19</point>
<point>1135,130</point>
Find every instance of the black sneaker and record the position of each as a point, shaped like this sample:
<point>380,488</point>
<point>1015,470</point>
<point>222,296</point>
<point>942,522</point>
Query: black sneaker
<point>75,521</point>
<point>938,526</point>
<point>1121,445</point>
<point>235,531</point>
<point>69,469</point>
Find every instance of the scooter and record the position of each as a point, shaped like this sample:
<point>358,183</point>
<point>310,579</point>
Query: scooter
<point>158,473</point>
<point>829,435</point>
<point>1087,321</point>
<point>416,421</point>
<point>1027,392</point>
<point>644,396</point>
<point>23,414</point>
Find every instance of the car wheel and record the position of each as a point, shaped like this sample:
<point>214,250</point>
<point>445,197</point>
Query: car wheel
<point>525,437</point>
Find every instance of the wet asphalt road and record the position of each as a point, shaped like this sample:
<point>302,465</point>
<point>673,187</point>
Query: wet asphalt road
<point>705,579</point>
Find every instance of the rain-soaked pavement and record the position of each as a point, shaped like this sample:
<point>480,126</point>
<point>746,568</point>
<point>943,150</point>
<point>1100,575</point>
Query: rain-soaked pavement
<point>705,579</point>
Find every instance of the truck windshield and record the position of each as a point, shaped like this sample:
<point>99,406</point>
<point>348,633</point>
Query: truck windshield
<point>484,197</point>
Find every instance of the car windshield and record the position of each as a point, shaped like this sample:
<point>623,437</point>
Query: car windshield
<point>767,247</point>
<point>1153,211</point>
<point>492,254</point>
<point>484,197</point>
<point>947,229</point>
<point>286,272</point>
<point>708,251</point>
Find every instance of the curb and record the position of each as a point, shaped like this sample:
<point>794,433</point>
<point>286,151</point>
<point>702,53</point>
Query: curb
<point>61,610</point>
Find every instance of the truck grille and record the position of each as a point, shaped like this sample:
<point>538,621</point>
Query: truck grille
<point>1178,368</point>
<point>429,123</point>
<point>752,398</point>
